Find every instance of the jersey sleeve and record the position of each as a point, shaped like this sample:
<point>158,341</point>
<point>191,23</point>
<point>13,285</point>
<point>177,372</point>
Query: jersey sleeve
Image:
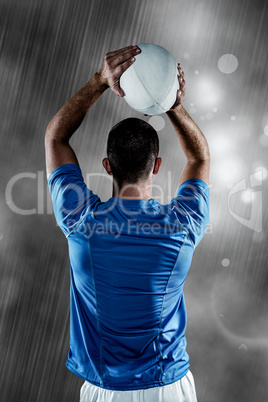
<point>191,205</point>
<point>71,198</point>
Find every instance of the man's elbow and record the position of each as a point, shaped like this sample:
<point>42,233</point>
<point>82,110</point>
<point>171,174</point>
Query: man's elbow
<point>206,155</point>
<point>203,157</point>
<point>50,131</point>
<point>53,133</point>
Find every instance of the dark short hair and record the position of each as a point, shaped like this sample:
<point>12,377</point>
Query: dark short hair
<point>132,148</point>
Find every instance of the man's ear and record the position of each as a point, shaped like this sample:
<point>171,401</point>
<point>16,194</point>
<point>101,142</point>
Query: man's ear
<point>157,165</point>
<point>107,166</point>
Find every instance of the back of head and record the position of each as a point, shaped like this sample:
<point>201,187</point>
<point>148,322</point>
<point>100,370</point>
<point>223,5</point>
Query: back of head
<point>132,148</point>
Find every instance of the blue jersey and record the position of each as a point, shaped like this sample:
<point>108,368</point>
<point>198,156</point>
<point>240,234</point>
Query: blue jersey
<point>128,260</point>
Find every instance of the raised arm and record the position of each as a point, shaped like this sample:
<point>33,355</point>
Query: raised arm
<point>191,139</point>
<point>70,116</point>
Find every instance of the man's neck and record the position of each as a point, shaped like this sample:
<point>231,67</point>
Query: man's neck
<point>139,191</point>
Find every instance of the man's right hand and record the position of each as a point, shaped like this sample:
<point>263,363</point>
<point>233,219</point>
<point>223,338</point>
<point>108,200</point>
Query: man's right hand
<point>113,66</point>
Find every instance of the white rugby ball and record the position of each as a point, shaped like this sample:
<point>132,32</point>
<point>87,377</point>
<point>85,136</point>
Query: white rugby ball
<point>150,84</point>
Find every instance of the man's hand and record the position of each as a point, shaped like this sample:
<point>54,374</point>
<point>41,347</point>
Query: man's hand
<point>182,91</point>
<point>113,66</point>
<point>71,115</point>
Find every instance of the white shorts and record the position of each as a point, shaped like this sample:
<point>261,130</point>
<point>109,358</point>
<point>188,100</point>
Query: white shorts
<point>182,390</point>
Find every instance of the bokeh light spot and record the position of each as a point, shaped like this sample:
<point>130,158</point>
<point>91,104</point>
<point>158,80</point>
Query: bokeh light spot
<point>261,173</point>
<point>157,122</point>
<point>225,262</point>
<point>227,63</point>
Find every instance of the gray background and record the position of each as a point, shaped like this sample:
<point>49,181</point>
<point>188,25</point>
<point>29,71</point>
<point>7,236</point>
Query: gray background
<point>49,49</point>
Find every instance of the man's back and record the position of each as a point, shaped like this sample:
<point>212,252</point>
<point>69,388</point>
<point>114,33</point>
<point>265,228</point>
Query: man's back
<point>129,261</point>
